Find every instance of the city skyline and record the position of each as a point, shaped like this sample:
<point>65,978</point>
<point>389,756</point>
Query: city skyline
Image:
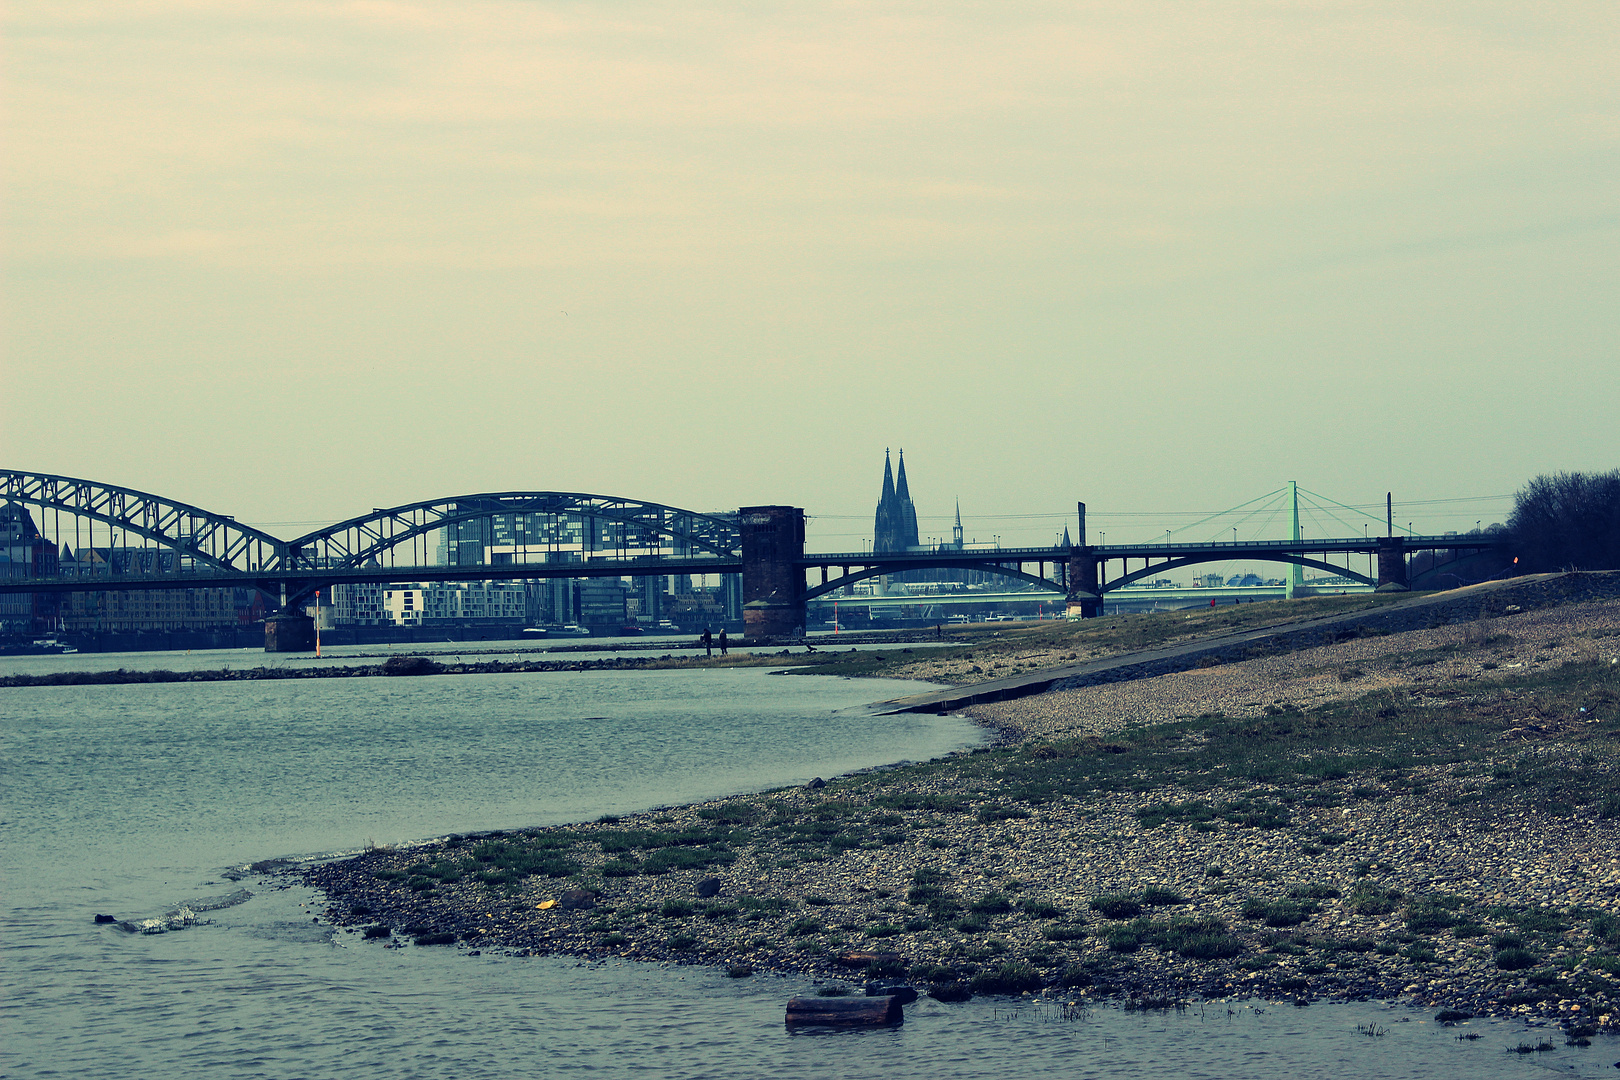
<point>293,262</point>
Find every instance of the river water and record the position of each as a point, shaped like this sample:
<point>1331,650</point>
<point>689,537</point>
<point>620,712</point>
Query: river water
<point>133,800</point>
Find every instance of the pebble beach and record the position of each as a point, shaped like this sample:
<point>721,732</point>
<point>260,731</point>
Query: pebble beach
<point>1391,884</point>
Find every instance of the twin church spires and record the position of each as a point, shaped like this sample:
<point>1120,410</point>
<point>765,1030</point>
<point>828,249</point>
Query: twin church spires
<point>896,525</point>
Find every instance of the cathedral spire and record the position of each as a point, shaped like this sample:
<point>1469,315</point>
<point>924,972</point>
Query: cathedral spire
<point>888,478</point>
<point>900,484</point>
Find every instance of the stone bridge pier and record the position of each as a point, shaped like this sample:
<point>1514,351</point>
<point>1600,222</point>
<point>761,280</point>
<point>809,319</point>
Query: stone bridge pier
<point>1085,583</point>
<point>289,631</point>
<point>1392,564</point>
<point>1085,586</point>
<point>772,582</point>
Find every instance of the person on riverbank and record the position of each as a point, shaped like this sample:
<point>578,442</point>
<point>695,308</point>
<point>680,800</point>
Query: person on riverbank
<point>708,643</point>
<point>722,643</point>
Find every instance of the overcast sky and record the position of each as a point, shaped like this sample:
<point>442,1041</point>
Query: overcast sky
<point>294,260</point>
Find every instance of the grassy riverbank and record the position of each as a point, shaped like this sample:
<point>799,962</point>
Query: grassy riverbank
<point>1456,842</point>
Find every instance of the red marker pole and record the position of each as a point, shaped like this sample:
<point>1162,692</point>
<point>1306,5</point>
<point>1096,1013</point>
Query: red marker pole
<point>317,623</point>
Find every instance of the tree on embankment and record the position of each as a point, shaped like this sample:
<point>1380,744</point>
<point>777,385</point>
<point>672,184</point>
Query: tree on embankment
<point>1568,521</point>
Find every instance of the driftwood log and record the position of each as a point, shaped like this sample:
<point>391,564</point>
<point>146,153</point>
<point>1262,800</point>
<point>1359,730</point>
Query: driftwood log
<point>845,1012</point>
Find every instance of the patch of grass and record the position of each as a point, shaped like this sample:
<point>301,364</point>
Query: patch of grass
<point>1313,892</point>
<point>989,814</point>
<point>911,800</point>
<point>1013,978</point>
<point>736,813</point>
<point>1278,912</point>
<point>542,855</point>
<point>1292,756</point>
<point>668,859</point>
<point>1041,909</point>
<point>1516,959</point>
<point>1531,919</point>
<point>1425,915</point>
<point>1156,896</point>
<point>1369,899</point>
<point>1195,810</point>
<point>1117,906</point>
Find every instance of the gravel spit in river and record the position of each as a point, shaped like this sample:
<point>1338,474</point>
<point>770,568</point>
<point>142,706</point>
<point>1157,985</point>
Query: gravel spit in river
<point>1344,887</point>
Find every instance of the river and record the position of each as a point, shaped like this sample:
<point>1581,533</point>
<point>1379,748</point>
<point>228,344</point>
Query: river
<point>133,800</point>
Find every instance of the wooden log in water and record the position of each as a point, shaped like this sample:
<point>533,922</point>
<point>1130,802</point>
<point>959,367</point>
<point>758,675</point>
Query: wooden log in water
<point>845,1012</point>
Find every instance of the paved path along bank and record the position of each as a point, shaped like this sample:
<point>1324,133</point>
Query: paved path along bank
<point>1424,610</point>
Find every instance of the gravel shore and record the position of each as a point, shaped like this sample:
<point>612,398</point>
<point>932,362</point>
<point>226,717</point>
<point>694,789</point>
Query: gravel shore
<point>1388,884</point>
<point>1442,660</point>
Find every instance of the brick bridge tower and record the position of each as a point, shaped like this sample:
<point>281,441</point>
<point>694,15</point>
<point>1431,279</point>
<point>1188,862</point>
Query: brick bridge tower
<point>1085,587</point>
<point>772,582</point>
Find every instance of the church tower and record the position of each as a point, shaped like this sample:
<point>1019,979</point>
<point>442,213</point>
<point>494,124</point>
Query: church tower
<point>907,512</point>
<point>895,527</point>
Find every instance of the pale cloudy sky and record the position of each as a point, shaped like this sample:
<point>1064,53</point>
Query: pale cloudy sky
<point>293,260</point>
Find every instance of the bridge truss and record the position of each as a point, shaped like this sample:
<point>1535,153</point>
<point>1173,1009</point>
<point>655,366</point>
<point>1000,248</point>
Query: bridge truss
<point>513,534</point>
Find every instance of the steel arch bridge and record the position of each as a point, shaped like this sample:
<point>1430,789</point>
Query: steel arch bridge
<point>1261,556</point>
<point>518,528</point>
<point>1009,562</point>
<point>886,568</point>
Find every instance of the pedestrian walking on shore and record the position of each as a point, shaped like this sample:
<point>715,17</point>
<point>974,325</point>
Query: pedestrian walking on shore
<point>708,642</point>
<point>722,643</point>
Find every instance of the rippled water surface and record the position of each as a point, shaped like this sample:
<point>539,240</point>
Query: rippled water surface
<point>131,800</point>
